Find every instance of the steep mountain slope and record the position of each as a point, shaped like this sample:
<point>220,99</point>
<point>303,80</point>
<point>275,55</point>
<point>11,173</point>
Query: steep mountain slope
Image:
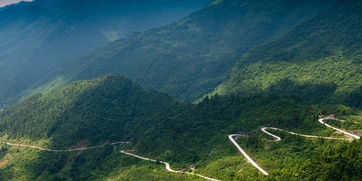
<point>110,108</point>
<point>282,89</point>
<point>191,57</point>
<point>106,109</point>
<point>324,52</point>
<point>37,37</point>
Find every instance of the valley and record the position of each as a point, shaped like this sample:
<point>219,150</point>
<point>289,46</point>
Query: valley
<point>351,137</point>
<point>189,90</point>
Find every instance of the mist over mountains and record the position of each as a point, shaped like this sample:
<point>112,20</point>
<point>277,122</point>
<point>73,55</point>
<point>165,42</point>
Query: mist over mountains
<point>38,37</point>
<point>323,52</point>
<point>176,90</point>
<point>191,57</point>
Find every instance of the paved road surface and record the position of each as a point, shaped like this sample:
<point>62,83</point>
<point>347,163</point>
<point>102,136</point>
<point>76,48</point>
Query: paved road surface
<point>68,150</point>
<point>231,138</point>
<point>168,167</point>
<point>277,138</point>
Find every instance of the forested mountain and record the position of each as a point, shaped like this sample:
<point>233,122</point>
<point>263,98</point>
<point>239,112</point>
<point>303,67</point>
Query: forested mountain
<point>323,52</point>
<point>191,57</point>
<point>112,108</point>
<point>106,109</point>
<point>37,37</point>
<point>279,66</point>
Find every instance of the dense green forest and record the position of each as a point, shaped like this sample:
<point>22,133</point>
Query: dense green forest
<point>37,38</point>
<point>190,57</point>
<point>249,64</point>
<point>108,108</point>
<point>324,52</point>
<point>113,108</point>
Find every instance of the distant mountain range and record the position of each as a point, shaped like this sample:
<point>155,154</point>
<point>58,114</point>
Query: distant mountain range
<point>233,67</point>
<point>117,107</point>
<point>37,37</point>
<point>189,58</point>
<point>323,53</point>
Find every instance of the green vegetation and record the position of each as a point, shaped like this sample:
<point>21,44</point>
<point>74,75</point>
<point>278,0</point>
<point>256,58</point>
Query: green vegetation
<point>191,57</point>
<point>322,53</point>
<point>299,60</point>
<point>102,164</point>
<point>106,109</point>
<point>112,108</point>
<point>355,125</point>
<point>38,38</point>
<point>335,77</point>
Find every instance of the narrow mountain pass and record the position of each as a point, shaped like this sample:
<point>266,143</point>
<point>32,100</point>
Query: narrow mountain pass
<point>230,137</point>
<point>277,138</point>
<point>167,165</point>
<point>322,121</point>
<point>68,150</point>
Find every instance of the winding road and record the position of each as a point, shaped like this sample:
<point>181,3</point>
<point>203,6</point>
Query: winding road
<point>231,138</point>
<point>68,150</point>
<point>277,138</point>
<point>321,120</point>
<point>168,167</point>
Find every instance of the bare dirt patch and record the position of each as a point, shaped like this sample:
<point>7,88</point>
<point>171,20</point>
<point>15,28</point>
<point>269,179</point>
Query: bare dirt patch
<point>3,163</point>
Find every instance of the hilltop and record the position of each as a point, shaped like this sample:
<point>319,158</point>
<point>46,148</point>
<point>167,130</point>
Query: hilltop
<point>323,54</point>
<point>191,57</point>
<point>37,38</point>
<point>106,109</point>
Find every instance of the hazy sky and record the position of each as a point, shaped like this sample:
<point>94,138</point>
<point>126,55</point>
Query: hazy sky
<point>7,2</point>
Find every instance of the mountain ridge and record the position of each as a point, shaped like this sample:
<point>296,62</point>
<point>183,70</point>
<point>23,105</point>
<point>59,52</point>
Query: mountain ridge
<point>37,38</point>
<point>191,57</point>
<point>292,63</point>
<point>325,50</point>
<point>96,110</point>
